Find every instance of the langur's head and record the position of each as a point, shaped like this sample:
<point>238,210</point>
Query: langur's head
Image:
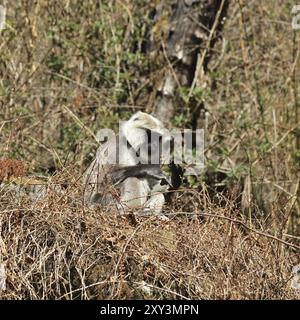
<point>145,131</point>
<point>142,120</point>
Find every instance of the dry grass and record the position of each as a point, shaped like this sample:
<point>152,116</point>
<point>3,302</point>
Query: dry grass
<point>67,70</point>
<point>11,168</point>
<point>55,249</point>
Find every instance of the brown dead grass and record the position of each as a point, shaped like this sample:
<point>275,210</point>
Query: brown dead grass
<point>58,249</point>
<point>11,168</point>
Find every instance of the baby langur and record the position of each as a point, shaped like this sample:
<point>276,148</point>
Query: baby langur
<point>132,184</point>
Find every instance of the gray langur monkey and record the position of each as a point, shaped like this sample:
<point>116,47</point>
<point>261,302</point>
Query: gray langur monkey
<point>131,184</point>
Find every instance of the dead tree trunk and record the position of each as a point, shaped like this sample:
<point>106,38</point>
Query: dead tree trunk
<point>191,31</point>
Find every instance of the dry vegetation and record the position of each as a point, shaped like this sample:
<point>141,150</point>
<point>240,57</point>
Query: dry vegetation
<point>68,69</point>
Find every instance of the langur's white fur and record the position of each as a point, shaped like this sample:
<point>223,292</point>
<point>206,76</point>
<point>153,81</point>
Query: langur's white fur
<point>135,191</point>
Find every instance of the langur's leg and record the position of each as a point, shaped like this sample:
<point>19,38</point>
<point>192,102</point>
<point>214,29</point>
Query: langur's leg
<point>133,193</point>
<point>155,204</point>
